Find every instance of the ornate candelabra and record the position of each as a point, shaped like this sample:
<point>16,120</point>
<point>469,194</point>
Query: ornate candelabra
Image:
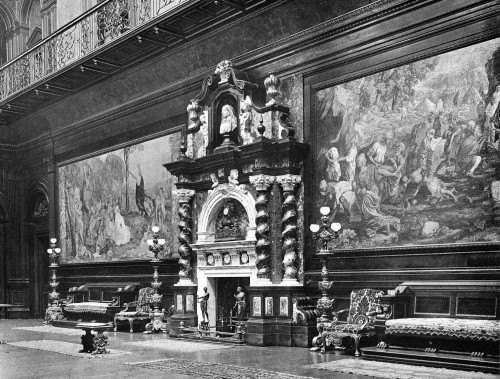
<point>325,233</point>
<point>157,324</point>
<point>54,311</point>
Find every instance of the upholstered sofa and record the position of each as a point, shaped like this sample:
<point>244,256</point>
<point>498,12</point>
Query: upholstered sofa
<point>442,323</point>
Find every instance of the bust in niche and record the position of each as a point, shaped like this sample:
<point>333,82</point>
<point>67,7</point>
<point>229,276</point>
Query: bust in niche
<point>228,120</point>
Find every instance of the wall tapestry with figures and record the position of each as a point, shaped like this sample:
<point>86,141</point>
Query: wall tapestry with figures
<point>410,156</point>
<point>108,203</point>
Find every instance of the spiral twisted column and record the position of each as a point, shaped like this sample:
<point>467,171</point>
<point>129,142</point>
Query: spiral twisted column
<point>289,226</point>
<point>185,251</point>
<point>263,244</point>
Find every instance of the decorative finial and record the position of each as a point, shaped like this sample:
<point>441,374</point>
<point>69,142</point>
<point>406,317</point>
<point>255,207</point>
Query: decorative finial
<point>272,84</point>
<point>261,128</point>
<point>222,70</point>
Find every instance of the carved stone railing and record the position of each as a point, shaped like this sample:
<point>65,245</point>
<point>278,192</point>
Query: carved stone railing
<point>85,35</point>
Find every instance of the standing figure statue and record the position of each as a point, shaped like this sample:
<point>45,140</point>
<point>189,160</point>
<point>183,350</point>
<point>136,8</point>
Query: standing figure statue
<point>240,303</point>
<point>203,300</point>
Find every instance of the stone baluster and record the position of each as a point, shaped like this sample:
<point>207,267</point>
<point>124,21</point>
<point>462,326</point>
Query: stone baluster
<point>263,244</point>
<point>289,226</point>
<point>185,251</point>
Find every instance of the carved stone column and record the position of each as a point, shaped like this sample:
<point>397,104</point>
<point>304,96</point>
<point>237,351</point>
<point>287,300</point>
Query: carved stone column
<point>185,251</point>
<point>289,226</point>
<point>263,245</point>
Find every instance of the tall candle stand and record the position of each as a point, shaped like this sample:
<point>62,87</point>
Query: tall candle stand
<point>157,324</point>
<point>324,233</point>
<point>54,311</point>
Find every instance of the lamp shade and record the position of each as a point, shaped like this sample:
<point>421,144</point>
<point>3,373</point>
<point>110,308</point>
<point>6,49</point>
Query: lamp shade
<point>150,242</point>
<point>314,228</point>
<point>335,226</point>
<point>161,241</point>
<point>155,229</point>
<point>53,240</point>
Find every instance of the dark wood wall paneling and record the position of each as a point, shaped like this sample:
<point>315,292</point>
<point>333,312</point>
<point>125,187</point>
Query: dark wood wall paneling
<point>138,104</point>
<point>379,36</point>
<point>139,271</point>
<point>411,33</point>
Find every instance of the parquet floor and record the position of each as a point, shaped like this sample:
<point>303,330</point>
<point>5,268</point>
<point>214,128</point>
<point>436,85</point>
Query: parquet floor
<point>18,361</point>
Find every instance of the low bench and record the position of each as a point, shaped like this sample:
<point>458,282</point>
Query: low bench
<point>442,323</point>
<point>98,302</point>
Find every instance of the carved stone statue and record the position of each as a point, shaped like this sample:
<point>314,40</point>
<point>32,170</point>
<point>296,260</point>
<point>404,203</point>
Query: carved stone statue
<point>233,180</point>
<point>215,182</point>
<point>203,300</point>
<point>228,223</point>
<point>228,120</point>
<point>233,177</point>
<point>240,303</point>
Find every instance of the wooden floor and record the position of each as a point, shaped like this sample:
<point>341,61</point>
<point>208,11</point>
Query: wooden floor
<point>21,362</point>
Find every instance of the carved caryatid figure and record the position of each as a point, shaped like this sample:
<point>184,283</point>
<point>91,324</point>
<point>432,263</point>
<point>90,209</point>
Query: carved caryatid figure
<point>228,120</point>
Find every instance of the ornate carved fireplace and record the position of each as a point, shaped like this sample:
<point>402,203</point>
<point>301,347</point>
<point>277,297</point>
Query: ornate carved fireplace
<point>239,155</point>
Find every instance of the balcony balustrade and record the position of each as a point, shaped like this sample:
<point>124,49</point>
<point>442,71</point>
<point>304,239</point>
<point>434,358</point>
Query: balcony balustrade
<point>92,31</point>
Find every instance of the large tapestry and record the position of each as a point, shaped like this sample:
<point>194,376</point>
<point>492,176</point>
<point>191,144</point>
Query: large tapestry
<point>410,156</point>
<point>108,203</point>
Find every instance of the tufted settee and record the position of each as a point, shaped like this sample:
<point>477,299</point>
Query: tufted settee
<point>97,302</point>
<point>474,330</point>
<point>442,323</point>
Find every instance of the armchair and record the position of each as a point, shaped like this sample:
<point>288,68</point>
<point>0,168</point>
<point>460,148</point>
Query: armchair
<point>364,306</point>
<point>136,310</point>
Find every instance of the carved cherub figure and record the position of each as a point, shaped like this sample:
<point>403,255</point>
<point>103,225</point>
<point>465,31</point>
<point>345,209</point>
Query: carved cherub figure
<point>215,182</point>
<point>233,177</point>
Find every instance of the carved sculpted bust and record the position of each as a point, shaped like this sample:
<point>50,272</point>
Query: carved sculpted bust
<point>228,120</point>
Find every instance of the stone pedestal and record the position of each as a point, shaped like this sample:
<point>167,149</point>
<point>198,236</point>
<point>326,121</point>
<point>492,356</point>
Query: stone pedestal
<point>302,335</point>
<point>185,301</point>
<point>271,314</point>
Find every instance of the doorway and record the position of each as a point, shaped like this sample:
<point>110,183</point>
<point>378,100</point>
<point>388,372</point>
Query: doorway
<point>41,287</point>
<point>225,301</point>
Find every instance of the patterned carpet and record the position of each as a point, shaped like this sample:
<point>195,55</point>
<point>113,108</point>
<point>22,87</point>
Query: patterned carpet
<point>65,348</point>
<point>396,370</point>
<point>209,370</point>
<point>179,345</point>
<point>52,330</point>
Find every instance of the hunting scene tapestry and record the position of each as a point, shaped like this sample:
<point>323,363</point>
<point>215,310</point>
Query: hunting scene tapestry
<point>108,203</point>
<point>410,156</point>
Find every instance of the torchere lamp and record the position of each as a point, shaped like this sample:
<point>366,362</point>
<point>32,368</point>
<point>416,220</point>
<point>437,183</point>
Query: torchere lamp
<point>325,233</point>
<point>157,324</point>
<point>54,311</point>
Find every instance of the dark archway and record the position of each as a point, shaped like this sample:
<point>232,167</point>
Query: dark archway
<point>37,239</point>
